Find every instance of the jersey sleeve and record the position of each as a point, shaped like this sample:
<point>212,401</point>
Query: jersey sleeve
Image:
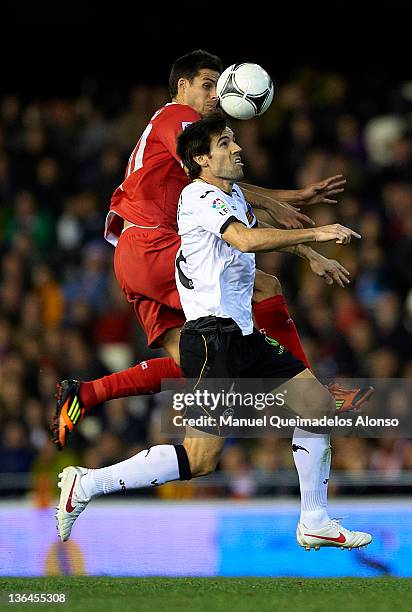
<point>249,212</point>
<point>214,215</point>
<point>250,215</point>
<point>174,122</point>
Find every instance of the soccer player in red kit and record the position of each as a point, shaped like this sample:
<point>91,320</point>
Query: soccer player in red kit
<point>142,224</point>
<point>142,219</point>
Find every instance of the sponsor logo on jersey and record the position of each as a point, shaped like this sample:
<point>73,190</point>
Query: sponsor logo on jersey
<point>206,192</point>
<point>185,124</point>
<point>220,206</point>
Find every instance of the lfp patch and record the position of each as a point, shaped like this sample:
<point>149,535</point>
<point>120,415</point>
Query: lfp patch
<point>220,206</point>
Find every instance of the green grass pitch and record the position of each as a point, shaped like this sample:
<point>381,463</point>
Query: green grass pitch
<point>215,594</point>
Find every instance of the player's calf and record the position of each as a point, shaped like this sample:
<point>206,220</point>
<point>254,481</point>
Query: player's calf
<point>203,451</point>
<point>324,406</point>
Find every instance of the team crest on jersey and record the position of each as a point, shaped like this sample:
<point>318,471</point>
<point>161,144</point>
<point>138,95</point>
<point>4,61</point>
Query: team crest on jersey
<point>220,206</point>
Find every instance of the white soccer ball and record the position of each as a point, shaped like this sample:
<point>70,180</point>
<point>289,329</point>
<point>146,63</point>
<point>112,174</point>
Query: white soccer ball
<point>245,90</point>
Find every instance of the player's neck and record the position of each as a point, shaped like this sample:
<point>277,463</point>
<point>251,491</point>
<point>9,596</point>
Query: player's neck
<point>223,184</point>
<point>180,100</point>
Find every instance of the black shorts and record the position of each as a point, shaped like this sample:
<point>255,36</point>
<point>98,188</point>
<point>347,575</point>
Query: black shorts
<point>213,348</point>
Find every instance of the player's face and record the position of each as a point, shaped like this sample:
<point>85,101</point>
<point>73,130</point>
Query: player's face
<point>201,94</point>
<point>225,161</point>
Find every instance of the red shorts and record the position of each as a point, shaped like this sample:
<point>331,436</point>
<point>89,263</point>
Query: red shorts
<point>144,264</point>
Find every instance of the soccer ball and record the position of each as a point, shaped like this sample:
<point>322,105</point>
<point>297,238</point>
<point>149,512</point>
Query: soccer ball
<point>245,90</point>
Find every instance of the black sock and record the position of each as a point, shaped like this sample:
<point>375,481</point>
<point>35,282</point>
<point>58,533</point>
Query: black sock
<point>185,472</point>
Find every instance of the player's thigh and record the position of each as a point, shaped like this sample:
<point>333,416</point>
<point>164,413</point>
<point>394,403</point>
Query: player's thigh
<point>307,397</point>
<point>282,372</point>
<point>271,361</point>
<point>144,265</point>
<point>204,359</point>
<point>203,354</point>
<point>160,323</point>
<point>169,340</point>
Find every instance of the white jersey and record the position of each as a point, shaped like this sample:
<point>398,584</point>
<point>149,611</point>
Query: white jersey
<point>212,277</point>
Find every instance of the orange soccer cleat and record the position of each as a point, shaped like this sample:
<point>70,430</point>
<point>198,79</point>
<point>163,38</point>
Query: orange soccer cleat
<point>349,399</point>
<point>69,411</point>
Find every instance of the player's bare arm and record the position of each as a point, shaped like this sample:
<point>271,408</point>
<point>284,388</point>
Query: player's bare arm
<point>267,239</point>
<point>321,192</point>
<point>281,214</point>
<point>328,269</point>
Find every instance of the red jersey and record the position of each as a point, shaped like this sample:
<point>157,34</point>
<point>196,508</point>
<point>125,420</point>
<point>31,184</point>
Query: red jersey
<point>154,177</point>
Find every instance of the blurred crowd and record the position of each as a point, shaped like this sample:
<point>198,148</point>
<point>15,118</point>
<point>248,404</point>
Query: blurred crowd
<point>63,315</point>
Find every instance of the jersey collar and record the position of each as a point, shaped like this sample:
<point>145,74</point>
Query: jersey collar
<point>200,180</point>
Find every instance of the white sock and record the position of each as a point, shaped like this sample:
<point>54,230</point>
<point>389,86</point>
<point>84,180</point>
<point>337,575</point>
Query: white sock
<point>312,456</point>
<point>150,467</point>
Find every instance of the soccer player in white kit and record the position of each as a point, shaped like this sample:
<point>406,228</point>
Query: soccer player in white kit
<point>215,272</point>
<point>214,275</point>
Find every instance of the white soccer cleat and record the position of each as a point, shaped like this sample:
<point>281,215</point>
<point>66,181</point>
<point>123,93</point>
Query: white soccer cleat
<point>331,534</point>
<point>72,500</point>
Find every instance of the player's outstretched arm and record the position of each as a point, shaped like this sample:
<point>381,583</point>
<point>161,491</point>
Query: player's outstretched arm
<point>328,269</point>
<point>279,213</point>
<point>322,192</point>
<point>250,240</point>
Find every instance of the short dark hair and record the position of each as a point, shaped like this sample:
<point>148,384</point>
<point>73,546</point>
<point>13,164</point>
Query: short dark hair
<point>188,66</point>
<point>196,139</point>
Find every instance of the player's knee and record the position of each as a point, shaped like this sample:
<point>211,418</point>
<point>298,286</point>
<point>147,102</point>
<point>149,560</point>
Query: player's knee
<point>266,286</point>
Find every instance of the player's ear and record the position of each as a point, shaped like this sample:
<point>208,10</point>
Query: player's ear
<point>182,85</point>
<point>202,160</point>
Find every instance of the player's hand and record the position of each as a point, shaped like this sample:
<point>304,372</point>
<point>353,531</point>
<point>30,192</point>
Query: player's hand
<point>330,270</point>
<point>322,192</point>
<point>339,233</point>
<point>286,216</point>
